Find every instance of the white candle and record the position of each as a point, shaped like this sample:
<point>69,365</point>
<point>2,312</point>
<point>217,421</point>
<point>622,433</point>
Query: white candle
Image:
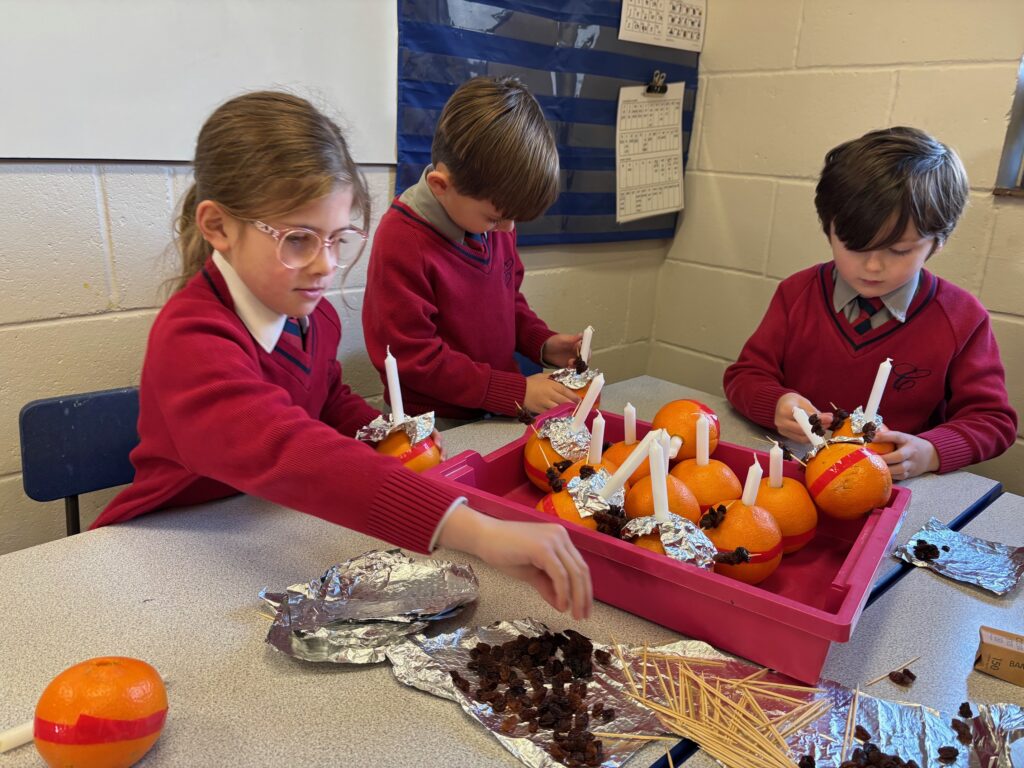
<point>16,736</point>
<point>666,445</point>
<point>588,336</point>
<point>629,419</point>
<point>596,440</point>
<point>775,466</point>
<point>805,424</point>
<point>877,389</point>
<point>703,440</point>
<point>628,467</point>
<point>659,489</point>
<point>394,388</point>
<point>674,445</point>
<point>583,409</point>
<point>753,481</point>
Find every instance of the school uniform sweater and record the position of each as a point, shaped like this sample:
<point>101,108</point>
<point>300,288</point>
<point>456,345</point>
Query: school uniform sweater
<point>453,315</point>
<point>219,415</point>
<point>947,383</point>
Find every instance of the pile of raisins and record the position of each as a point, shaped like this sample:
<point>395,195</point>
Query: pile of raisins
<point>540,684</point>
<point>869,754</point>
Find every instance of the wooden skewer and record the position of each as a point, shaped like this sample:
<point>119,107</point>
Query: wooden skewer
<point>785,687</point>
<point>542,453</point>
<point>901,667</point>
<point>633,737</point>
<point>668,756</point>
<point>851,722</point>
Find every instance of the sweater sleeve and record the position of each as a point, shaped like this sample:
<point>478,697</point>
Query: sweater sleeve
<point>403,316</point>
<point>229,424</point>
<point>979,422</point>
<point>754,383</point>
<point>531,332</point>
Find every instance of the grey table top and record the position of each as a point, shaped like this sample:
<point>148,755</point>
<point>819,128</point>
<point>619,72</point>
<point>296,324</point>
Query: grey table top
<point>937,619</point>
<point>179,590</point>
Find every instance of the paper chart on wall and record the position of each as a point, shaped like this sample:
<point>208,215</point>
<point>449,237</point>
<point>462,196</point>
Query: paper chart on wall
<point>669,23</point>
<point>648,152</point>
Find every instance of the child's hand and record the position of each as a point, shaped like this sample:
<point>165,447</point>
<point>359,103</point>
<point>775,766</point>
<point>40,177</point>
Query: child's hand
<point>543,392</point>
<point>786,425</point>
<point>561,349</point>
<point>541,554</point>
<point>913,455</point>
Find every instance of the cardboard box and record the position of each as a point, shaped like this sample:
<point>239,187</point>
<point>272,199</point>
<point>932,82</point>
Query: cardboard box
<point>1001,654</point>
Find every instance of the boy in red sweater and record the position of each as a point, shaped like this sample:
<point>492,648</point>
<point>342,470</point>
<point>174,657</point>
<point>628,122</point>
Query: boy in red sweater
<point>443,288</point>
<point>887,202</point>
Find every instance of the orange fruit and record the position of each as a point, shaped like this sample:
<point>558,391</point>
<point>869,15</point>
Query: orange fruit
<point>574,470</point>
<point>650,541</point>
<point>793,510</point>
<point>419,458</point>
<point>561,505</point>
<point>847,480</point>
<point>619,452</point>
<point>754,529</point>
<point>538,455</point>
<point>679,417</point>
<point>640,499</point>
<point>711,483</point>
<point>102,713</point>
<point>846,430</point>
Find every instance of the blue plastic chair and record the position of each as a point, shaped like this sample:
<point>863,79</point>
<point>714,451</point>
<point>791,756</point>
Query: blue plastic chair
<point>526,366</point>
<point>77,444</point>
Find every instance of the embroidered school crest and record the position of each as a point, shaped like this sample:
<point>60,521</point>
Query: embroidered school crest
<point>510,267</point>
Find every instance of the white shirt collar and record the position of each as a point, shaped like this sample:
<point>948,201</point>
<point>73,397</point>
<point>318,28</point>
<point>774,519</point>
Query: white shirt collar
<point>263,323</point>
<point>897,302</point>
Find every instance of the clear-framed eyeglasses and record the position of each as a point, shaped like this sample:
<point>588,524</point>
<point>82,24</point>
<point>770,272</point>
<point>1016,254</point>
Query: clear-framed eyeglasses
<point>298,247</point>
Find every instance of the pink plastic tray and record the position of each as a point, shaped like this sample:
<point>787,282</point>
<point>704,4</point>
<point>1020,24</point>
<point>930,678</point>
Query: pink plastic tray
<point>787,622</point>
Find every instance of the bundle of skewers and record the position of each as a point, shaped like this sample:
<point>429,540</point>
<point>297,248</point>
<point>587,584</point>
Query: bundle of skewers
<point>743,722</point>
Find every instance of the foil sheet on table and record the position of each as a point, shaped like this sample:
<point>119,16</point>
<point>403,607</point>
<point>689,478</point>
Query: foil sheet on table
<point>682,540</point>
<point>568,377</point>
<point>416,428</point>
<point>359,608</point>
<point>567,444</point>
<point>986,564</point>
<point>424,663</point>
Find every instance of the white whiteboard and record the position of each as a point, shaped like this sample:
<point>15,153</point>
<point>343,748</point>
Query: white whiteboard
<point>135,79</point>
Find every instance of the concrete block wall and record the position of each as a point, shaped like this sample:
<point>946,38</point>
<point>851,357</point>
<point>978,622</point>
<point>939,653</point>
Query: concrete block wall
<point>783,82</point>
<point>83,258</point>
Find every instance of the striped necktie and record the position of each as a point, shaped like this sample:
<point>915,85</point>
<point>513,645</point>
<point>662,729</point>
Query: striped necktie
<point>868,308</point>
<point>292,335</point>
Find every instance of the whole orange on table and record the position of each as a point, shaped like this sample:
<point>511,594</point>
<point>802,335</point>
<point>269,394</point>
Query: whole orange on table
<point>711,483</point>
<point>681,501</point>
<point>102,713</point>
<point>752,528</point>
<point>791,506</point>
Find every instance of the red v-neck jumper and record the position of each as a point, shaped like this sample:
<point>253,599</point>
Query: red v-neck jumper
<point>453,315</point>
<point>219,415</point>
<point>947,383</point>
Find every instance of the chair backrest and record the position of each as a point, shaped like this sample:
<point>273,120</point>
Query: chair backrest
<point>78,443</point>
<point>526,366</point>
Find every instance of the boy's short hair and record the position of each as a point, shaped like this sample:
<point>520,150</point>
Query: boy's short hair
<point>494,140</point>
<point>872,187</point>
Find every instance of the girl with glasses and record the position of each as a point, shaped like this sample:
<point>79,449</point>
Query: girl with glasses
<point>241,387</point>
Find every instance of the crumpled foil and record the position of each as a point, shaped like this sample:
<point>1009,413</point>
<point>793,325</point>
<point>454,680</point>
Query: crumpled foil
<point>416,428</point>
<point>858,420</point>
<point>359,608</point>
<point>424,663</point>
<point>986,564</point>
<point>567,444</point>
<point>568,377</point>
<point>682,540</point>
<point>584,493</point>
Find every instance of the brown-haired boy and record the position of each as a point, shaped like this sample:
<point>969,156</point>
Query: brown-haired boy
<point>887,202</point>
<point>444,276</point>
